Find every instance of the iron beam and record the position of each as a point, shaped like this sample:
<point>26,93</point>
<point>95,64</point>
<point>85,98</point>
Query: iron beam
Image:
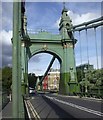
<point>51,62</point>
<point>89,22</point>
<point>15,69</point>
<point>87,27</point>
<point>17,105</point>
<point>20,99</point>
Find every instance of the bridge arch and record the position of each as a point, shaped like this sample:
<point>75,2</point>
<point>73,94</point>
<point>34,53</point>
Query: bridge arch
<point>51,52</point>
<point>52,76</point>
<point>61,46</point>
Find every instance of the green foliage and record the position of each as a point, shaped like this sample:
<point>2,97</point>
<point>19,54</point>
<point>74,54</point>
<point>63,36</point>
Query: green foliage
<point>93,79</point>
<point>6,78</point>
<point>80,74</point>
<point>0,74</point>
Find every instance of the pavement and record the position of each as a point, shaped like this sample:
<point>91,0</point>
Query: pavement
<point>7,111</point>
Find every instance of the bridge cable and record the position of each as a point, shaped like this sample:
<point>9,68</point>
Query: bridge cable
<point>80,52</point>
<point>80,48</point>
<point>87,49</point>
<point>96,47</point>
<point>88,69</point>
<point>74,41</point>
<point>81,58</point>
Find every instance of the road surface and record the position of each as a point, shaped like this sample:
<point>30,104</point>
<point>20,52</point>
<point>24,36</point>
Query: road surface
<point>58,106</point>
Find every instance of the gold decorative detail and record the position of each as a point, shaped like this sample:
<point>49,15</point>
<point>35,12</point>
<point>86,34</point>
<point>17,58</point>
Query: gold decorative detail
<point>23,44</point>
<point>70,45</point>
<point>64,45</point>
<point>45,47</point>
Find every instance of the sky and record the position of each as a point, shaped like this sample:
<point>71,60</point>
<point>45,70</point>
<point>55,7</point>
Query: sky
<point>46,16</point>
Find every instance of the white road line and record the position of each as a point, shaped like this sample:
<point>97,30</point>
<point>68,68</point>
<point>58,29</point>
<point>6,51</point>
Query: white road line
<point>35,114</point>
<point>84,98</point>
<point>27,110</point>
<point>77,106</point>
<point>31,110</point>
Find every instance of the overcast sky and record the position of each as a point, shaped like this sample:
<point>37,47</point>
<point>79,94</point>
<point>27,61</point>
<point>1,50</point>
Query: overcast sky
<point>46,15</point>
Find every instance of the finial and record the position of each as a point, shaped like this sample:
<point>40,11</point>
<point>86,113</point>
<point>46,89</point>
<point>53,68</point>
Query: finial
<point>63,4</point>
<point>64,9</point>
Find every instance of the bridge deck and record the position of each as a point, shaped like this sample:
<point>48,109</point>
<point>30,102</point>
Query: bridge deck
<point>56,106</point>
<point>44,108</point>
<point>60,107</point>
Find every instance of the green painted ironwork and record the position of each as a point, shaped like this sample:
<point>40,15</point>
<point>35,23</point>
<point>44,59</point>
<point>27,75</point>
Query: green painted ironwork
<point>61,46</point>
<point>25,45</point>
<point>18,32</point>
<point>88,25</point>
<point>45,74</point>
<point>16,73</point>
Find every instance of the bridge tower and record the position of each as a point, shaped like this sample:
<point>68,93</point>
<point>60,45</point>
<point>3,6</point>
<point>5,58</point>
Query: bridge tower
<point>68,80</point>
<point>61,46</point>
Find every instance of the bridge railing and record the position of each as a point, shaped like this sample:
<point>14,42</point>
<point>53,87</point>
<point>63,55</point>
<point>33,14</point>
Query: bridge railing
<point>26,111</point>
<point>4,99</point>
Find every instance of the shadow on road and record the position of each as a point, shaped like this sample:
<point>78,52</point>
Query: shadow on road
<point>58,110</point>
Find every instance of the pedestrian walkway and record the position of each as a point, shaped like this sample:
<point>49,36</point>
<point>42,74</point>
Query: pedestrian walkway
<point>7,111</point>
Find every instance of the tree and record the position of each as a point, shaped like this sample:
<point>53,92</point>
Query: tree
<point>80,74</point>
<point>6,78</point>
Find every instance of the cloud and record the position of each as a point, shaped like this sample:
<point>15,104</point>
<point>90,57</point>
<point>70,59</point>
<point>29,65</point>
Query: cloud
<point>6,23</point>
<point>5,37</point>
<point>79,18</point>
<point>6,61</point>
<point>38,60</point>
<point>5,41</point>
<point>35,59</point>
<point>7,15</point>
<point>92,61</point>
<point>57,23</point>
<point>39,63</point>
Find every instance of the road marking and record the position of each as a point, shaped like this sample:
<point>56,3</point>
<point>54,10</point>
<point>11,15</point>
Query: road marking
<point>27,110</point>
<point>35,114</point>
<point>77,106</point>
<point>92,99</point>
<point>84,98</point>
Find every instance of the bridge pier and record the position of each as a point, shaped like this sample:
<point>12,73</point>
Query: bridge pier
<point>17,100</point>
<point>68,79</point>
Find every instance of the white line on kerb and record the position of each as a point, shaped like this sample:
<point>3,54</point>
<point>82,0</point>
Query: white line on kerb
<point>77,106</point>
